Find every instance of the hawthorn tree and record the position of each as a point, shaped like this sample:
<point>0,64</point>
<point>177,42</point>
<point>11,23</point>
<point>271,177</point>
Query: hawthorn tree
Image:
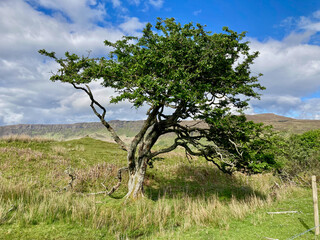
<point>181,73</point>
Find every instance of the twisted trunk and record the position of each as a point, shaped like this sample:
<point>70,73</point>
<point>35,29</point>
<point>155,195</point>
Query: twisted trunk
<point>135,183</point>
<point>139,154</point>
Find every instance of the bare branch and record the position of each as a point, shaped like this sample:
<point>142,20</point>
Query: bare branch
<point>73,177</point>
<point>114,135</point>
<point>93,101</point>
<point>236,147</point>
<point>115,187</point>
<point>165,150</point>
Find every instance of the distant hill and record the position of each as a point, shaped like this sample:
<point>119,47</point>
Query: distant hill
<point>127,129</point>
<point>72,131</point>
<point>268,117</point>
<point>281,123</point>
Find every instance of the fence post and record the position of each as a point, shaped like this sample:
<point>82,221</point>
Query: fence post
<point>315,204</point>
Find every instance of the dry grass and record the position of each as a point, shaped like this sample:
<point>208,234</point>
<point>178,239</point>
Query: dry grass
<point>24,138</point>
<point>25,154</point>
<point>95,176</point>
<point>179,194</point>
<point>59,149</point>
<point>42,205</point>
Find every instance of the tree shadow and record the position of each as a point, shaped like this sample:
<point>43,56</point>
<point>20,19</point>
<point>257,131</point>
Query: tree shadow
<point>199,181</point>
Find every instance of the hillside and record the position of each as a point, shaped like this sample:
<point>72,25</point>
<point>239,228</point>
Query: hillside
<point>127,129</point>
<point>286,124</point>
<point>72,131</point>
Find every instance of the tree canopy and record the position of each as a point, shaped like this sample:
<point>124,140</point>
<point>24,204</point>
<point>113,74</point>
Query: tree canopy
<point>181,72</point>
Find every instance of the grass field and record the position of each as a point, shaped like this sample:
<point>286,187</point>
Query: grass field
<point>185,199</point>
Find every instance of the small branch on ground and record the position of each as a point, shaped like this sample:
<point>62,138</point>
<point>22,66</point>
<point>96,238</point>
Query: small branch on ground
<point>6,215</point>
<point>72,176</point>
<point>115,187</point>
<point>284,212</point>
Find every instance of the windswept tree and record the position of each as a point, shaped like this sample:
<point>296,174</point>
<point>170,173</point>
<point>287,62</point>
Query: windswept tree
<point>181,73</point>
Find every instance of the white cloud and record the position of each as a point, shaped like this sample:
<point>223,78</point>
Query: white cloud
<point>295,38</point>
<point>291,71</point>
<point>78,11</point>
<point>196,13</point>
<point>79,103</point>
<point>288,69</point>
<point>132,25</point>
<point>156,3</point>
<point>9,117</point>
<point>291,66</point>
<point>135,2</point>
<point>310,109</point>
<point>116,3</point>
<point>316,14</point>
<point>26,94</point>
<point>24,31</point>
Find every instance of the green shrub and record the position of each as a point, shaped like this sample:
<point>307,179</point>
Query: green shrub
<point>298,154</point>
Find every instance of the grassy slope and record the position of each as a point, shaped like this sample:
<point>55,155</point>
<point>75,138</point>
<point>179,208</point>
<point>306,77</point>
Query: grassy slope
<point>285,124</point>
<point>185,200</point>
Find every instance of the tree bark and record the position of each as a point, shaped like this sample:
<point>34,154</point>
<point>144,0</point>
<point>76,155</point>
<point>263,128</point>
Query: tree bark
<point>135,183</point>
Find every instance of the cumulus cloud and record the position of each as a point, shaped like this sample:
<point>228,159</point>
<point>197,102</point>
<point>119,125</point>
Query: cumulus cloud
<point>310,109</point>
<point>291,72</point>
<point>132,25</point>
<point>156,3</point>
<point>291,66</point>
<point>288,69</point>
<point>25,30</point>
<point>77,11</point>
<point>291,69</point>
<point>26,94</point>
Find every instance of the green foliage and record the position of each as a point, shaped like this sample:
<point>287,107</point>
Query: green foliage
<point>169,65</point>
<point>174,64</point>
<point>248,145</point>
<point>298,155</point>
<point>310,139</point>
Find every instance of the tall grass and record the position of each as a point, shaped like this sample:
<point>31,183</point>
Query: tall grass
<point>21,204</point>
<point>25,138</point>
<point>179,194</point>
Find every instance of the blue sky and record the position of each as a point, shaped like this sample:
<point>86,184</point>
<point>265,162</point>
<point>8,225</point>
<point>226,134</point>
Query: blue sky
<point>261,19</point>
<point>286,33</point>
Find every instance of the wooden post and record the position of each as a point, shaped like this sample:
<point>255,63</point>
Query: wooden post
<point>315,204</point>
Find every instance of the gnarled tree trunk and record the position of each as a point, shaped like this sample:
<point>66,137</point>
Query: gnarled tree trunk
<point>135,184</point>
<point>136,178</point>
<point>138,156</point>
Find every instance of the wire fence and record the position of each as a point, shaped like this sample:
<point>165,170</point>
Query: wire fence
<point>300,234</point>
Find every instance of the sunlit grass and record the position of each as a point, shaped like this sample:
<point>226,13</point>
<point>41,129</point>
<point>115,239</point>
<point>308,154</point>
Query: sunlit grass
<point>24,138</point>
<point>180,194</point>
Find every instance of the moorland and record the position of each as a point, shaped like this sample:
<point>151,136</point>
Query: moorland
<point>184,198</point>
